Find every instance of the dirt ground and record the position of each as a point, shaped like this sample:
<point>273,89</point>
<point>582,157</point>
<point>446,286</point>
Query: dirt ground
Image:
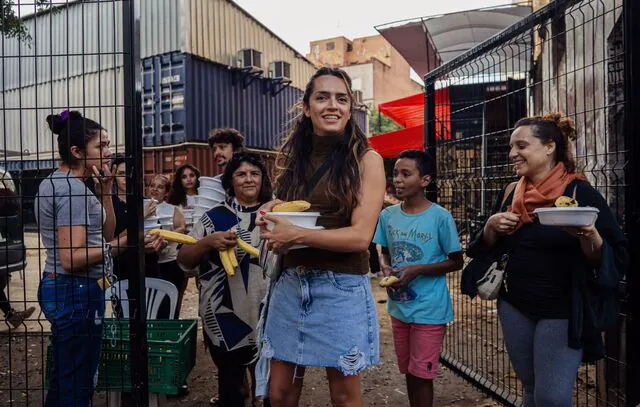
<point>23,354</point>
<point>473,339</point>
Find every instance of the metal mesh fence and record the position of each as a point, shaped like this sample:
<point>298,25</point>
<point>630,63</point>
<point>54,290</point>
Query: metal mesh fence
<point>69,106</point>
<point>568,57</point>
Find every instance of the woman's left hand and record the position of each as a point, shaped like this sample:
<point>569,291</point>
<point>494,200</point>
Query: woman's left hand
<point>281,237</point>
<point>580,232</point>
<point>103,182</point>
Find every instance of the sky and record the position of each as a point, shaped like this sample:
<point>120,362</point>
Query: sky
<point>298,22</point>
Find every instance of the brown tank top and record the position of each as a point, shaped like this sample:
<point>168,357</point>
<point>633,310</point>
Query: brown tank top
<point>339,262</point>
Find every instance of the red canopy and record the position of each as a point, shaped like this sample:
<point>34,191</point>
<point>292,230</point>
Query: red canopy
<point>389,145</point>
<point>409,113</point>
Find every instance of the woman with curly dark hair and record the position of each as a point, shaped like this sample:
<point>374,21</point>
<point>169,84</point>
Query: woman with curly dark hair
<point>554,275</point>
<point>321,311</point>
<point>185,186</point>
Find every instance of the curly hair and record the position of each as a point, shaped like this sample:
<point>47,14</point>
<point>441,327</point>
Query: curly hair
<point>178,195</point>
<point>557,128</point>
<point>266,193</point>
<point>293,154</point>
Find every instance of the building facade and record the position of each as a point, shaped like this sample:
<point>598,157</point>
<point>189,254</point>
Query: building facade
<point>379,73</point>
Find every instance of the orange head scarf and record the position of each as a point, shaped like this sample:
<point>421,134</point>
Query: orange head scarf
<point>528,197</point>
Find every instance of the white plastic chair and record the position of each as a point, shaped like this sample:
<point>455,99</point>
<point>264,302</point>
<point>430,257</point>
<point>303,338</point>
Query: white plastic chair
<point>156,291</point>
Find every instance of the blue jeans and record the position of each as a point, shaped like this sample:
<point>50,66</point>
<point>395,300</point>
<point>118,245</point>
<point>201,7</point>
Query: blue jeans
<point>74,306</point>
<point>540,356</point>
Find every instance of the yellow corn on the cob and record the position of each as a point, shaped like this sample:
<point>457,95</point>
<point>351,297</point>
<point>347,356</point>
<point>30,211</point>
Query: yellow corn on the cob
<point>226,263</point>
<point>248,248</point>
<point>103,283</point>
<point>293,206</point>
<point>387,281</point>
<point>232,256</point>
<point>174,236</point>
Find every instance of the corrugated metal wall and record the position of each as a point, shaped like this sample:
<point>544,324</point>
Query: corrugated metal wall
<point>213,101</point>
<point>96,95</point>
<point>212,29</point>
<point>217,29</point>
<point>185,97</point>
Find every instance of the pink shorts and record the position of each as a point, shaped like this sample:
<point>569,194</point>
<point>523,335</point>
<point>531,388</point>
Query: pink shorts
<point>418,347</point>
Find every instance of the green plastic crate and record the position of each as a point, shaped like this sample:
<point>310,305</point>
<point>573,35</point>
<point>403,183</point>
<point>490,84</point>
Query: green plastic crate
<point>171,353</point>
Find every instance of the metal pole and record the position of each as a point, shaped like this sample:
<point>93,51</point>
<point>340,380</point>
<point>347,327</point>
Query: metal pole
<point>135,226</point>
<point>483,159</point>
<point>430,134</point>
<point>631,10</point>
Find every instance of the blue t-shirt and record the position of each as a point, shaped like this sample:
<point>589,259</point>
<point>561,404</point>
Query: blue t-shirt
<point>423,238</point>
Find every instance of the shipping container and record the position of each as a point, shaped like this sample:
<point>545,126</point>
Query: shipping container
<point>165,160</point>
<point>185,97</point>
<point>216,30</point>
<point>23,128</point>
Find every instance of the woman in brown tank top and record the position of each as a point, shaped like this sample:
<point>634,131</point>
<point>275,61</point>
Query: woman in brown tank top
<point>321,311</point>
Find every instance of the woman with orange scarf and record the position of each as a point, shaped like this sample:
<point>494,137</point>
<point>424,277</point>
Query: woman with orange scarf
<point>554,276</point>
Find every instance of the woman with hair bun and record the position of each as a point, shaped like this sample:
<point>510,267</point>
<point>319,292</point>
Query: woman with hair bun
<point>77,229</point>
<point>554,276</point>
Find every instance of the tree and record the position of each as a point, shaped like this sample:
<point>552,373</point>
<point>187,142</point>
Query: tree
<point>379,123</point>
<point>11,26</point>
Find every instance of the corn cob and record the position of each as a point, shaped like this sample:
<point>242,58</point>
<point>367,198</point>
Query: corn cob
<point>174,236</point>
<point>103,283</point>
<point>293,206</point>
<point>566,202</point>
<point>232,256</point>
<point>387,281</point>
<point>252,251</point>
<point>226,263</point>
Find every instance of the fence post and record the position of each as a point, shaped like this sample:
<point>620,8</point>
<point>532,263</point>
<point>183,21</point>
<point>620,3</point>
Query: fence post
<point>135,226</point>
<point>631,12</point>
<point>430,134</point>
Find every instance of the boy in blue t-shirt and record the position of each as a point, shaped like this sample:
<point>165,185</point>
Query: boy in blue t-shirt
<point>420,245</point>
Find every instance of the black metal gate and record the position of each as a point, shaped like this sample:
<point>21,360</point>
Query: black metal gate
<point>574,57</point>
<point>78,55</point>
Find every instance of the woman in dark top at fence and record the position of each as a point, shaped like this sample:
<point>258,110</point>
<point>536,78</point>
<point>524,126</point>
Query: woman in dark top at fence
<point>321,310</point>
<point>553,274</point>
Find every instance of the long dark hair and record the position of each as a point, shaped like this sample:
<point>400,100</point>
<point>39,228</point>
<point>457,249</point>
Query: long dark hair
<point>178,195</point>
<point>72,130</point>
<point>557,128</point>
<point>293,155</point>
<point>266,192</point>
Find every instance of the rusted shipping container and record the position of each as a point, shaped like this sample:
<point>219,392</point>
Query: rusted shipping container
<point>165,160</point>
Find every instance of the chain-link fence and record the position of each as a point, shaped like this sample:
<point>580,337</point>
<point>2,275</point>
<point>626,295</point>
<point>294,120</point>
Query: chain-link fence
<point>567,57</point>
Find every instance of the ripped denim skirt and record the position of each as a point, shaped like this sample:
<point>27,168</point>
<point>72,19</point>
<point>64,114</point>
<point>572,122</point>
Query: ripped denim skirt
<point>321,318</point>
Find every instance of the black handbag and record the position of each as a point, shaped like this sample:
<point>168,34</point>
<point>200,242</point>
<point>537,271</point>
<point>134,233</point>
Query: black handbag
<point>484,274</point>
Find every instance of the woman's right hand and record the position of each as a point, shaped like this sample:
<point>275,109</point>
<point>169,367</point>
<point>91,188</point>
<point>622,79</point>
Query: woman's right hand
<point>150,209</point>
<point>502,223</point>
<point>221,240</point>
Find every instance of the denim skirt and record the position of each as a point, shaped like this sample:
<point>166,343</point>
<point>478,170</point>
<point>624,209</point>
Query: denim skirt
<point>322,318</point>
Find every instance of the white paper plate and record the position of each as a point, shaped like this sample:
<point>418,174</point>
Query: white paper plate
<point>301,246</point>
<point>570,217</point>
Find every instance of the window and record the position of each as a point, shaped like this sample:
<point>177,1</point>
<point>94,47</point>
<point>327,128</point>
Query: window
<point>315,49</point>
<point>331,46</point>
<point>349,47</point>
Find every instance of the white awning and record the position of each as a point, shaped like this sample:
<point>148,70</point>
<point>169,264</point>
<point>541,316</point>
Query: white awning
<point>428,42</point>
